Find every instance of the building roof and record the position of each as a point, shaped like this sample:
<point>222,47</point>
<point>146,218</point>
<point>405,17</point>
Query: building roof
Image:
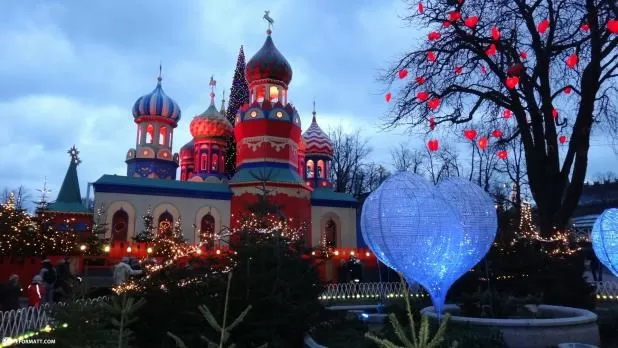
<point>268,63</point>
<point>272,174</point>
<point>330,198</point>
<point>69,198</point>
<point>597,197</point>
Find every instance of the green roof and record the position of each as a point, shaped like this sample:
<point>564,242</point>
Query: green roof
<point>162,184</point>
<point>279,175</point>
<point>330,195</point>
<point>69,198</point>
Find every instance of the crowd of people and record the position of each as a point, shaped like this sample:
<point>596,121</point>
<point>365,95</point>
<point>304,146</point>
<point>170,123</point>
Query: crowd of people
<point>51,284</point>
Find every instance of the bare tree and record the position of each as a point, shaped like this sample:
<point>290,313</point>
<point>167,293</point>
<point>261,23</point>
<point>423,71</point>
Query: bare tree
<point>21,195</point>
<point>486,56</point>
<point>442,164</point>
<point>407,160</point>
<point>350,154</point>
<point>608,176</point>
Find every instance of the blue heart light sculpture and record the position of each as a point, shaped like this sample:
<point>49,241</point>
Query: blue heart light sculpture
<point>411,224</point>
<point>605,239</point>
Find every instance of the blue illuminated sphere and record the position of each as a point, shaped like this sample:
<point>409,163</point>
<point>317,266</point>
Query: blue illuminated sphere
<point>408,223</point>
<point>605,239</point>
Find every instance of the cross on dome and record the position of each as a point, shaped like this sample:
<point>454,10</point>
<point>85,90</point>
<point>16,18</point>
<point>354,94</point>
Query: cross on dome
<point>160,77</point>
<point>269,20</point>
<point>74,153</point>
<point>212,84</point>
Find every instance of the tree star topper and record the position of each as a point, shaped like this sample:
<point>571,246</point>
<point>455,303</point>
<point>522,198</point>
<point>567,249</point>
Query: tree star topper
<point>74,155</point>
<point>269,20</point>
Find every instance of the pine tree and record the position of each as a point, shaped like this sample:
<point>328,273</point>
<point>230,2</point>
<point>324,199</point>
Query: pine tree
<point>239,96</point>
<point>147,234</point>
<point>54,241</point>
<point>96,239</point>
<point>17,235</point>
<point>170,243</point>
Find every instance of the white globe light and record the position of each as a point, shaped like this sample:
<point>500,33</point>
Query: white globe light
<point>605,239</point>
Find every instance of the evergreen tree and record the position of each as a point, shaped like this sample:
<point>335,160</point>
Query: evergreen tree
<point>96,240</point>
<point>169,242</point>
<point>147,234</point>
<point>17,236</point>
<point>54,241</point>
<point>239,95</point>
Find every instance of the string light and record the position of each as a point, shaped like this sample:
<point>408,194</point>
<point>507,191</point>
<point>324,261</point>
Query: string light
<point>239,95</point>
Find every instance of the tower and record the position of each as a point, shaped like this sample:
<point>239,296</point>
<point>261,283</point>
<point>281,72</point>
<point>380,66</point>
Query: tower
<point>318,156</point>
<point>156,116</point>
<point>203,158</point>
<point>268,134</point>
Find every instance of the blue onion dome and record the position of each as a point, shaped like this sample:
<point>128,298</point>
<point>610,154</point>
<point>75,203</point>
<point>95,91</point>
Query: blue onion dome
<point>268,64</point>
<point>157,103</point>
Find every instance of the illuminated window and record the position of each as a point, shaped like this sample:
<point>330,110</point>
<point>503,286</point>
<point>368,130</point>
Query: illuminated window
<point>214,163</point>
<point>166,223</point>
<point>261,92</point>
<point>169,140</point>
<point>254,114</point>
<point>139,134</point>
<point>162,135</point>
<point>320,170</point>
<point>204,161</point>
<point>120,225</point>
<point>149,133</point>
<point>207,230</point>
<point>279,114</point>
<point>309,170</point>
<point>274,94</point>
<point>330,234</point>
<point>284,95</point>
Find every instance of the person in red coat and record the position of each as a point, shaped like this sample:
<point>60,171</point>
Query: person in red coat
<point>36,291</point>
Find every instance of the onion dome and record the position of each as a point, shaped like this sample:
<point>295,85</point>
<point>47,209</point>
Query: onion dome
<point>211,123</point>
<point>318,143</point>
<point>268,64</point>
<point>156,103</point>
<point>187,149</point>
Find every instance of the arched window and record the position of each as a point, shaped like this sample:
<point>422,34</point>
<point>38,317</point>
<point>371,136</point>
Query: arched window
<point>139,134</point>
<point>320,170</point>
<point>284,99</point>
<point>120,225</point>
<point>162,135</point>
<point>309,170</point>
<point>149,133</point>
<point>261,93</point>
<point>274,94</point>
<point>166,223</point>
<point>204,161</point>
<point>169,138</point>
<point>330,233</point>
<point>207,230</point>
<point>214,163</point>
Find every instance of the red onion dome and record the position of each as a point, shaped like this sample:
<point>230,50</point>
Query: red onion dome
<point>211,123</point>
<point>318,143</point>
<point>156,103</point>
<point>186,151</point>
<point>268,64</point>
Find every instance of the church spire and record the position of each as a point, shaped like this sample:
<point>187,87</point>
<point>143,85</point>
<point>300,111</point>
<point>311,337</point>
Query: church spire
<point>69,197</point>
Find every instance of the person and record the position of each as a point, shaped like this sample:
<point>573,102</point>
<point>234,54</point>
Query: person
<point>122,271</point>
<point>48,275</point>
<point>11,293</point>
<point>63,279</point>
<point>36,291</point>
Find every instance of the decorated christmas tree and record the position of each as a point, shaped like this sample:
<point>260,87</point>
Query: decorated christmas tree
<point>17,235</point>
<point>147,234</point>
<point>53,240</point>
<point>96,241</point>
<point>239,95</point>
<point>169,242</point>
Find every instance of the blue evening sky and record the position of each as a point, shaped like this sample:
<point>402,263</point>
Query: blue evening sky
<point>70,71</point>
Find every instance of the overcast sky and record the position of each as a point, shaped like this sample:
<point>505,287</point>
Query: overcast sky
<point>70,71</point>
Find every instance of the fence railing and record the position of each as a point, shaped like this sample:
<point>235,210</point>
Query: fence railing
<point>15,323</point>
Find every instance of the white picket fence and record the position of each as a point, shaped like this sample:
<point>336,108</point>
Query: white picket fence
<point>16,323</point>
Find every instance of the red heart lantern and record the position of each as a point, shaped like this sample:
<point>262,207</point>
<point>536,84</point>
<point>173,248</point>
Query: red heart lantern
<point>612,26</point>
<point>433,145</point>
<point>421,8</point>
<point>434,35</point>
<point>542,27</point>
<point>422,96</point>
<point>554,113</point>
<point>431,56</point>
<point>495,33</point>
<point>446,24</point>
<point>458,70</point>
<point>483,143</point>
<point>584,27</point>
<point>496,133</point>
<point>420,80</point>
<point>502,154</point>
<point>515,70</point>
<point>483,70</point>
<point>523,55</point>
<point>454,16</point>
<point>567,90</point>
<point>562,139</point>
<point>434,103</point>
<point>471,22</point>
<point>432,123</point>
<point>572,60</point>
<point>507,114</point>
<point>403,73</point>
<point>512,82</point>
<point>491,51</point>
<point>388,97</point>
<point>470,134</point>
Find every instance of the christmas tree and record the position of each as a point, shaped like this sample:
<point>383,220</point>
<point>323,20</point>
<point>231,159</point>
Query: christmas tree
<point>147,234</point>
<point>239,95</point>
<point>169,242</point>
<point>96,241</point>
<point>17,235</point>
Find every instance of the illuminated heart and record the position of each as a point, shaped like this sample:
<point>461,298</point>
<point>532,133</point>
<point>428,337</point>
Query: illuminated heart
<point>554,113</point>
<point>422,96</point>
<point>572,60</point>
<point>420,80</point>
<point>454,16</point>
<point>388,97</point>
<point>567,90</point>
<point>434,35</point>
<point>491,51</point>
<point>495,33</point>
<point>403,73</point>
<point>515,70</point>
<point>483,143</point>
<point>512,82</point>
<point>431,56</point>
<point>523,55</point>
<point>584,27</point>
<point>446,24</point>
<point>432,123</point>
<point>496,133</point>
<point>471,22</point>
<point>542,26</point>
<point>507,114</point>
<point>502,154</point>
<point>470,134</point>
<point>612,26</point>
<point>434,103</point>
<point>433,145</point>
<point>421,8</point>
<point>562,139</point>
<point>458,70</point>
